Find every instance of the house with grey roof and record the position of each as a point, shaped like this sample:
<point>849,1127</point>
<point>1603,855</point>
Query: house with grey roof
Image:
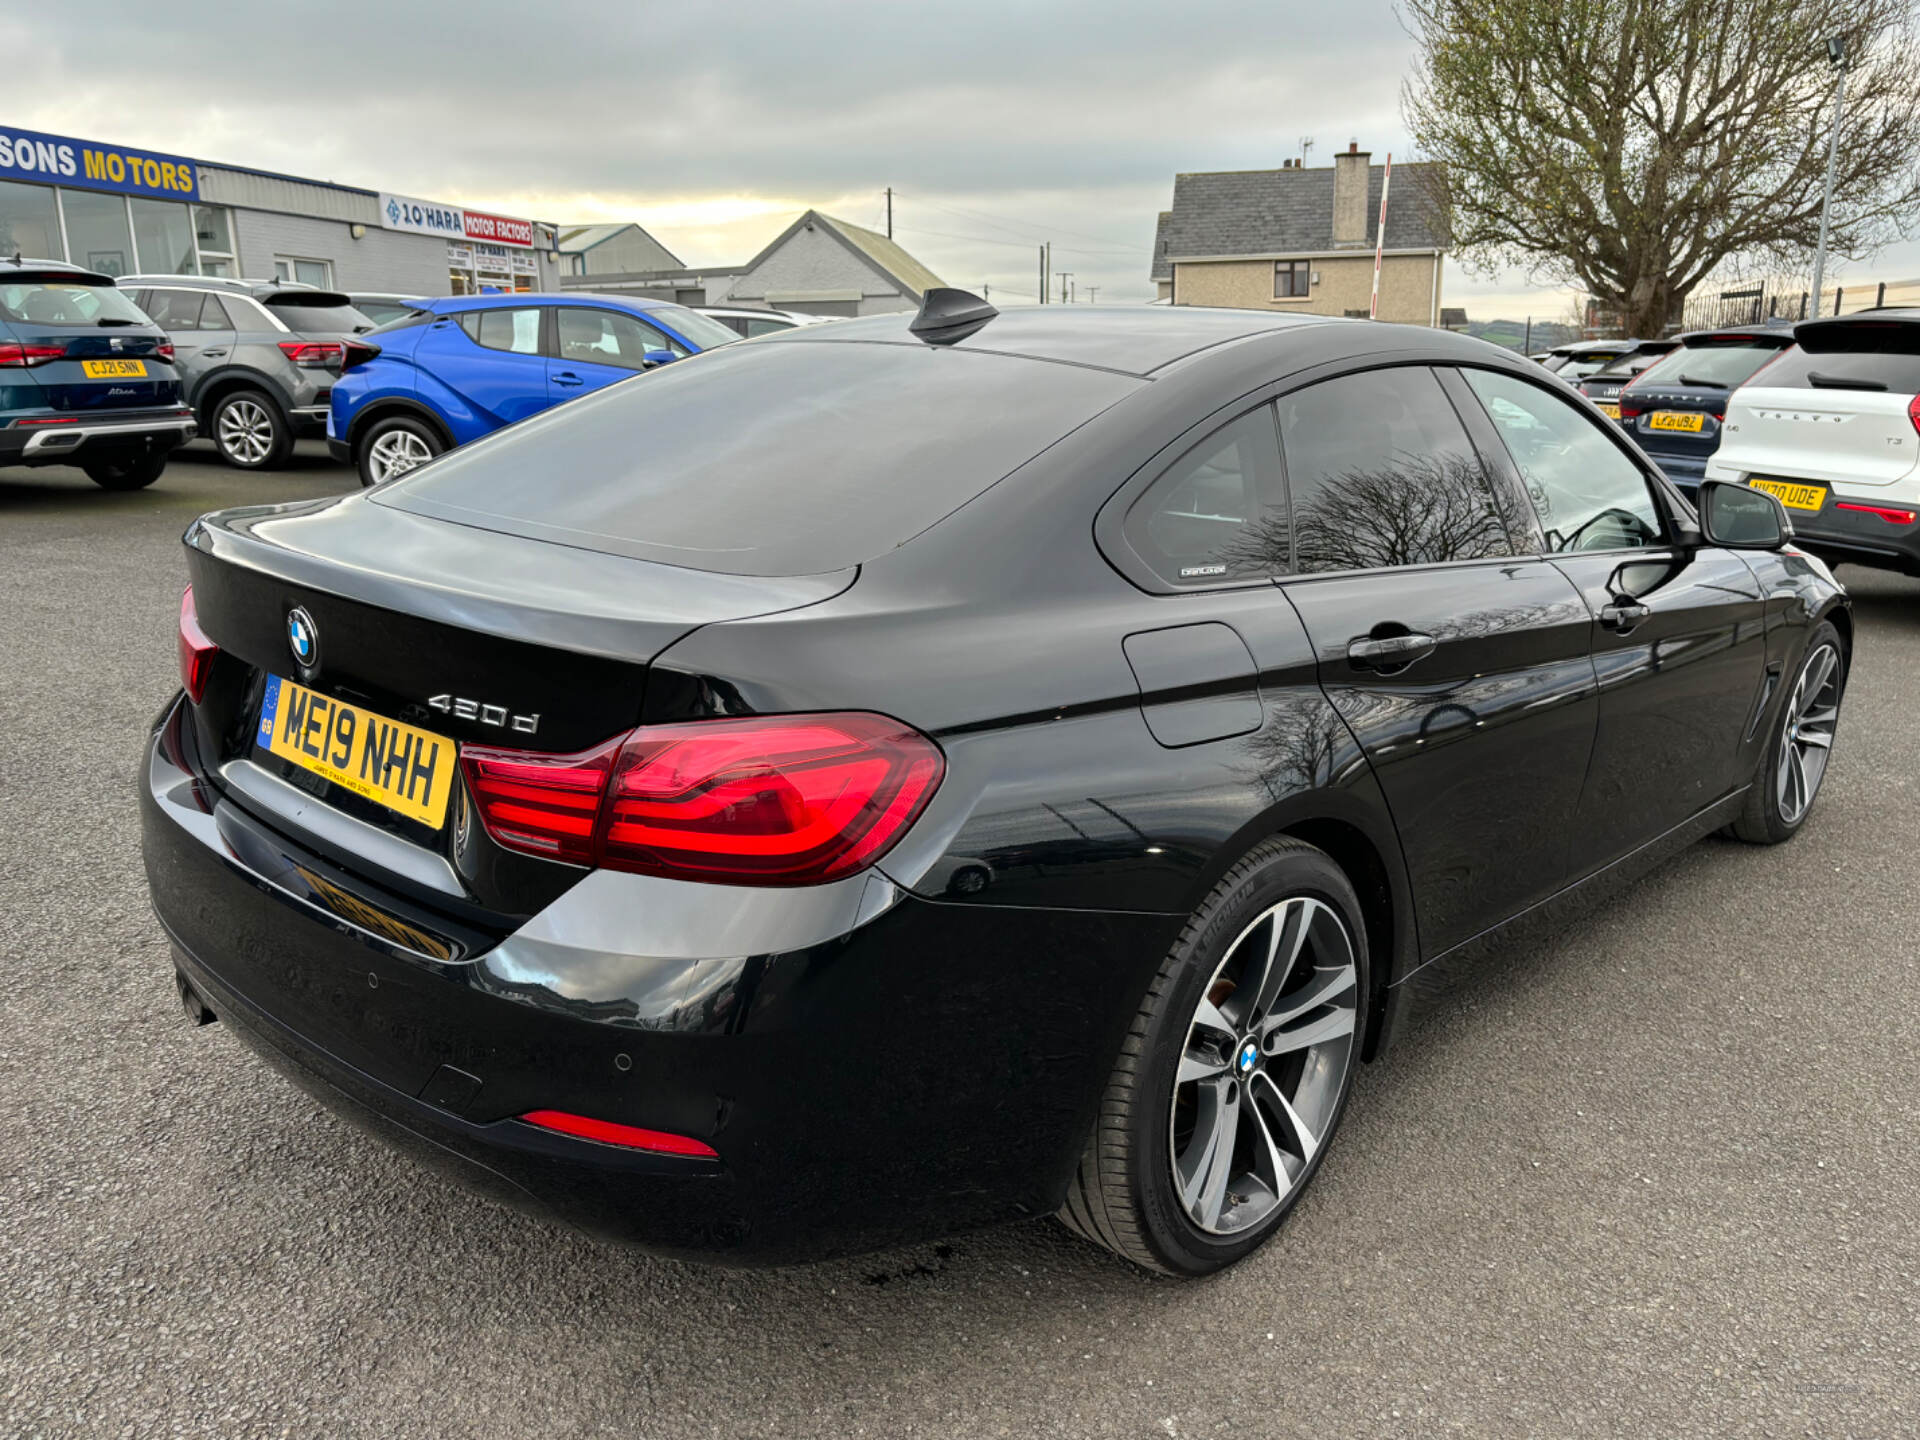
<point>1302,239</point>
<point>611,250</point>
<point>819,265</point>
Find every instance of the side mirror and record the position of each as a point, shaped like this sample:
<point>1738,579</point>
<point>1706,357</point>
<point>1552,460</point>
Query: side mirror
<point>657,357</point>
<point>1742,519</point>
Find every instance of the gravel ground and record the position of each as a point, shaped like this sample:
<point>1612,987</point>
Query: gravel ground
<point>1659,1179</point>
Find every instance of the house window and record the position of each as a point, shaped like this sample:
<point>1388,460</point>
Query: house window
<point>1291,279</point>
<point>317,273</point>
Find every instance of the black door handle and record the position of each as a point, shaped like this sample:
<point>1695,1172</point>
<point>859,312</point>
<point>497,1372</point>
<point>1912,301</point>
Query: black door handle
<point>1389,652</point>
<point>1624,615</point>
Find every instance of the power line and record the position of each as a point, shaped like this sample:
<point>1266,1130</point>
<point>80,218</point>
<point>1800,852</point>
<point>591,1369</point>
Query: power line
<point>1029,227</point>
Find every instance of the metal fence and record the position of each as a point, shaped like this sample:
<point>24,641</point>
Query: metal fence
<point>1790,301</point>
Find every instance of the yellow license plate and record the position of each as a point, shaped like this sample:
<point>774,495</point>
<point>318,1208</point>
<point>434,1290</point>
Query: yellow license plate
<point>1676,420</point>
<point>114,369</point>
<point>403,768</point>
<point>1793,495</point>
<point>1608,409</point>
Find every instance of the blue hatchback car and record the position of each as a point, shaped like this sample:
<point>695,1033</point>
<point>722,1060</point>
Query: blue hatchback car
<point>462,367</point>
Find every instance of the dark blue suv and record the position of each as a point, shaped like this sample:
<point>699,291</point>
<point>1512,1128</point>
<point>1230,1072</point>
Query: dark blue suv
<point>460,368</point>
<point>85,378</point>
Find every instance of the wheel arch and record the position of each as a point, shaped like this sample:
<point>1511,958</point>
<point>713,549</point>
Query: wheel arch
<point>224,384</point>
<point>388,406</point>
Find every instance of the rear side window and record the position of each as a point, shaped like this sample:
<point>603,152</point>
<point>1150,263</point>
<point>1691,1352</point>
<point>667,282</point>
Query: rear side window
<point>1381,473</point>
<point>787,458</point>
<point>766,327</point>
<point>1219,512</point>
<point>1711,364</point>
<point>181,310</point>
<point>1588,495</point>
<point>515,331</point>
<point>1893,372</point>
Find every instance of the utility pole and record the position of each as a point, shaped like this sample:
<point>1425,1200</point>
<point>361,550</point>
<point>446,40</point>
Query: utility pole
<point>1064,276</point>
<point>1093,294</point>
<point>889,212</point>
<point>986,291</point>
<point>1837,53</point>
<point>1045,260</point>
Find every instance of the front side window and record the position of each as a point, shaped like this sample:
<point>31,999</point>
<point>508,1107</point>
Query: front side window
<point>1218,513</point>
<point>607,337</point>
<point>515,331</point>
<point>1587,494</point>
<point>1291,279</point>
<point>1381,473</point>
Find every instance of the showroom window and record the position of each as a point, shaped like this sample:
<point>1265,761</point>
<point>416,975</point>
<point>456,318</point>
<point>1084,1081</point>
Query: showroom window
<point>29,222</point>
<point>213,234</point>
<point>163,236</point>
<point>317,273</point>
<point>99,235</point>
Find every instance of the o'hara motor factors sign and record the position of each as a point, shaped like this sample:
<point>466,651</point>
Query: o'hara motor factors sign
<point>89,165</point>
<point>427,217</point>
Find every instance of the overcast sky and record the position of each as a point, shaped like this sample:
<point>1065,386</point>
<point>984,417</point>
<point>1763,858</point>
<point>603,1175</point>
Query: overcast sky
<point>998,125</point>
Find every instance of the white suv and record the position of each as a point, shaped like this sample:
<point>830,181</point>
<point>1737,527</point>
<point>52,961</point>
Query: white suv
<point>1832,428</point>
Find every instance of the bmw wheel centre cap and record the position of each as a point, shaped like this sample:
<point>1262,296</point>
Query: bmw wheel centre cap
<point>1248,1058</point>
<point>303,638</point>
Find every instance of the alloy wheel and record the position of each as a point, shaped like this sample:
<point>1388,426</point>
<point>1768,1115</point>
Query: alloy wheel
<point>1813,710</point>
<point>394,453</point>
<point>1265,1066</point>
<point>246,431</point>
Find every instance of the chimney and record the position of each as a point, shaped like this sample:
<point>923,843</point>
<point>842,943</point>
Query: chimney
<point>1350,195</point>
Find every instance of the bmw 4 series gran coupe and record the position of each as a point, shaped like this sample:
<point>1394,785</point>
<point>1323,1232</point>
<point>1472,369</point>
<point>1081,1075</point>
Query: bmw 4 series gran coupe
<point>902,775</point>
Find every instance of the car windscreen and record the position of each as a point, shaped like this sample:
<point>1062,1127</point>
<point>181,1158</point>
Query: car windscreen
<point>1716,362</point>
<point>703,330</point>
<point>1847,370</point>
<point>785,457</point>
<point>41,302</point>
<point>297,312</point>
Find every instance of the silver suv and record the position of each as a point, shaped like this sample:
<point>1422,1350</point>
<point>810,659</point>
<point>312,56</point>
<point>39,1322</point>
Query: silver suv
<point>257,359</point>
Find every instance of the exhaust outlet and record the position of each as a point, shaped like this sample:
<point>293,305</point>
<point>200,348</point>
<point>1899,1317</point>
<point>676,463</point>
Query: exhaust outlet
<point>190,1001</point>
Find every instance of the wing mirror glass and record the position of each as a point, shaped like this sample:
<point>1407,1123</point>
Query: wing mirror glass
<point>1740,518</point>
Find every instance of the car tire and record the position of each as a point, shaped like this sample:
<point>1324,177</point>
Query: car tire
<point>1795,761</point>
<point>134,474</point>
<point>1149,1186</point>
<point>393,446</point>
<point>250,432</point>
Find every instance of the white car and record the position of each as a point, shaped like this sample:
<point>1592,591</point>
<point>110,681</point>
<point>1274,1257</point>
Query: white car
<point>1832,429</point>
<point>750,322</point>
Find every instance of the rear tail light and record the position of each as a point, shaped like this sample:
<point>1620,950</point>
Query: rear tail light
<point>197,652</point>
<point>1892,514</point>
<point>18,355</point>
<point>357,353</point>
<point>1913,413</point>
<point>607,1132</point>
<point>164,350</point>
<point>772,800</point>
<point>313,354</point>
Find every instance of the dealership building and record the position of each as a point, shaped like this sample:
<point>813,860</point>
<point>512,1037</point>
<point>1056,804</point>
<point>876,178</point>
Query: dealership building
<point>122,212</point>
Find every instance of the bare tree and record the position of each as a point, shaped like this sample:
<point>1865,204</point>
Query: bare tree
<point>1633,146</point>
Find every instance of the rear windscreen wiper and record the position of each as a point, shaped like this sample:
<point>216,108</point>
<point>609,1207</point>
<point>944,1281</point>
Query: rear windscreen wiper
<point>1841,382</point>
<point>1695,380</point>
<point>115,320</point>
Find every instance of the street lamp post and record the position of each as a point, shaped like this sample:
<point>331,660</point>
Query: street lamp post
<point>1837,53</point>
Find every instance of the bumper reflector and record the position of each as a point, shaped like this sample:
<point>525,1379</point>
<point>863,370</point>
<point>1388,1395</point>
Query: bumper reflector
<point>606,1132</point>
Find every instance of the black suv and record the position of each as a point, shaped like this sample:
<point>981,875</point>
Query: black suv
<point>85,378</point>
<point>258,359</point>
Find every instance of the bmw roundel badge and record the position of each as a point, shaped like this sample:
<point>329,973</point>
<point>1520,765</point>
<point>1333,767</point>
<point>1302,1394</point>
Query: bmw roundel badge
<point>303,638</point>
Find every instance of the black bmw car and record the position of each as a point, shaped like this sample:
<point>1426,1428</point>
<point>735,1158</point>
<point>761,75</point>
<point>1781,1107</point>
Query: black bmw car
<point>915,773</point>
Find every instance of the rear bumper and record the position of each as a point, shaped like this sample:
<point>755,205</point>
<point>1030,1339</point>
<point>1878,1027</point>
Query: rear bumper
<point>63,444</point>
<point>1859,537</point>
<point>309,421</point>
<point>926,1069</point>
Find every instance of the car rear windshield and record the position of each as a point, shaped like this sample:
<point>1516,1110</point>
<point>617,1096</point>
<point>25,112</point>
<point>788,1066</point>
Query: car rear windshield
<point>1854,370</point>
<point>1578,367</point>
<point>297,312</point>
<point>703,330</point>
<point>41,302</point>
<point>788,457</point>
<point>1726,363</point>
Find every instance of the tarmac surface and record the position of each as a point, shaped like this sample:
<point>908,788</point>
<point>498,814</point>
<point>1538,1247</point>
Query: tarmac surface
<point>1662,1178</point>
